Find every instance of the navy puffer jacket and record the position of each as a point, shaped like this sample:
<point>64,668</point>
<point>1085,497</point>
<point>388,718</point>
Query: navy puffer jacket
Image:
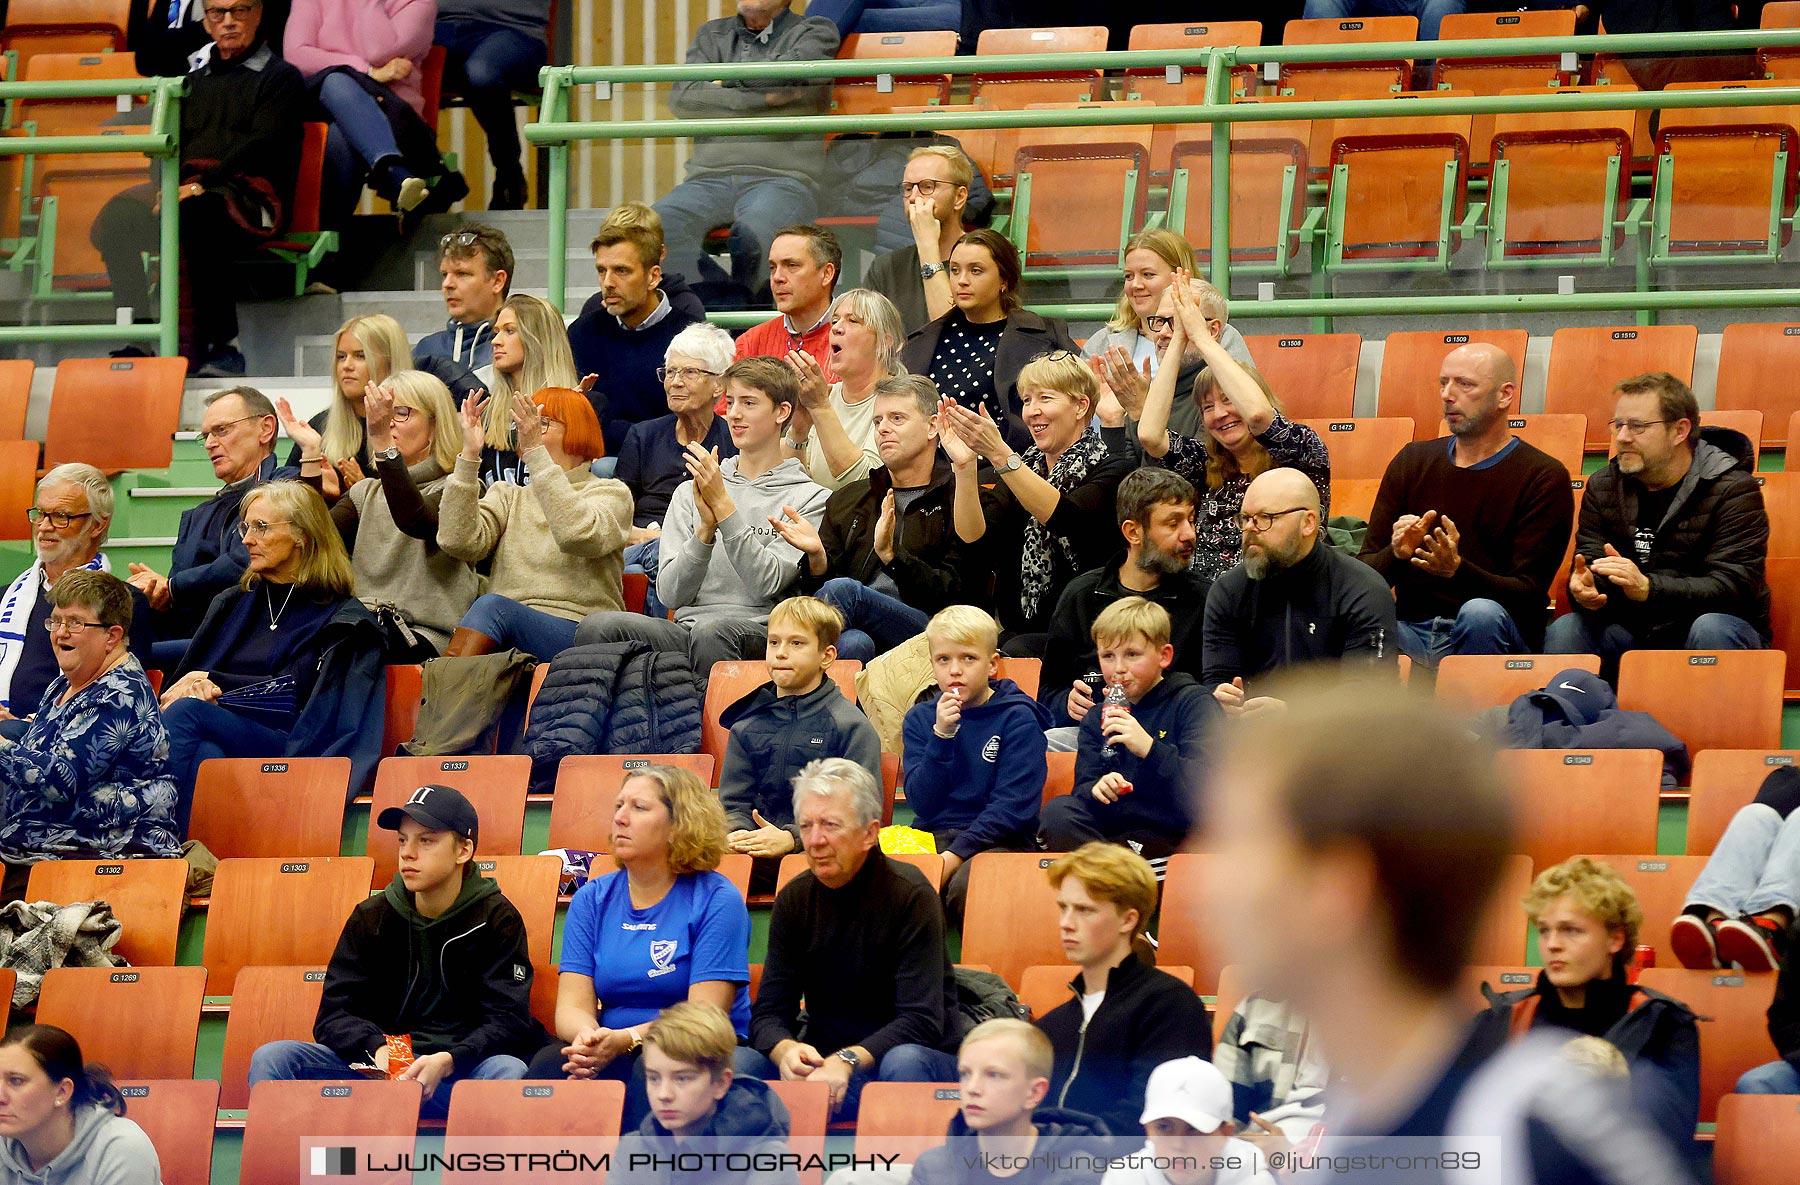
<point>612,697</point>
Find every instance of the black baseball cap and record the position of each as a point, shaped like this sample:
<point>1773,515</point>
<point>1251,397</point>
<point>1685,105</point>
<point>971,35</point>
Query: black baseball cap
<point>438,807</point>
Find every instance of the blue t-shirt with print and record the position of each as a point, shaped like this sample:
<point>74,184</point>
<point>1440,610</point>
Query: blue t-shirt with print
<point>643,960</point>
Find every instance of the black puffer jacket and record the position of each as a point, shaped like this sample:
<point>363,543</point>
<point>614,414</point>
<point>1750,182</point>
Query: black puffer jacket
<point>929,559</point>
<point>612,697</point>
<point>1710,547</point>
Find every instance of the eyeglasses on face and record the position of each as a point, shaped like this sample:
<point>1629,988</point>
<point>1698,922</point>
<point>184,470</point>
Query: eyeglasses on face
<point>1632,427</point>
<point>258,528</point>
<point>218,431</point>
<point>236,12</point>
<point>1258,523</point>
<point>924,188</point>
<point>1159,323</point>
<point>686,374</point>
<point>62,520</point>
<point>73,625</point>
<point>402,413</point>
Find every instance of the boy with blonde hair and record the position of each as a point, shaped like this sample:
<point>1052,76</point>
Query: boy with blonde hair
<point>694,1096</point>
<point>975,764</point>
<point>797,717</point>
<point>1139,766</point>
<point>1003,1067</point>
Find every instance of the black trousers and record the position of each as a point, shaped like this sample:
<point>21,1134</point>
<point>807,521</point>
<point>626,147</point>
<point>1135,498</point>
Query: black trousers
<point>126,230</point>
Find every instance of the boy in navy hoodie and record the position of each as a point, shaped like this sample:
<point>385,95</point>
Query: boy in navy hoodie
<point>797,717</point>
<point>975,764</point>
<point>1138,766</point>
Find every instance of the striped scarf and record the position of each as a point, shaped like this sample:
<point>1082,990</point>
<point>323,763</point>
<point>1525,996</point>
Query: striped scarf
<point>15,615</point>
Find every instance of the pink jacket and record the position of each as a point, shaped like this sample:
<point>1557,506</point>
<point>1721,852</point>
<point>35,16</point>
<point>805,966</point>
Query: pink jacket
<point>362,34</point>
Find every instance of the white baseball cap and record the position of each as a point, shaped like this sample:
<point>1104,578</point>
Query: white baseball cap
<point>1191,1090</point>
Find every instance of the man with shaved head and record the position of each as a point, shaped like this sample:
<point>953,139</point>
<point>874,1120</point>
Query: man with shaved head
<point>1469,531</point>
<point>1290,600</point>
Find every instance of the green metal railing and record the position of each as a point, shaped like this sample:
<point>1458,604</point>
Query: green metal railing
<point>159,143</point>
<point>555,131</point>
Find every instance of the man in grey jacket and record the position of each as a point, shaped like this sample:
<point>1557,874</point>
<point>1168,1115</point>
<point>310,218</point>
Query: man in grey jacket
<point>722,565</point>
<point>758,184</point>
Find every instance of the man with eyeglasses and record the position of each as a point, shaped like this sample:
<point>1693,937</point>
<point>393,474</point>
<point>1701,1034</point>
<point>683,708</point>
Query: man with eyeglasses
<point>1184,414</point>
<point>69,517</point>
<point>1673,539</point>
<point>935,192</point>
<point>1290,600</point>
<point>238,431</point>
<point>1469,531</point>
<point>754,184</point>
<point>240,153</point>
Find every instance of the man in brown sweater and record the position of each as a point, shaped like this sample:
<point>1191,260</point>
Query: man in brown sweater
<point>1469,532</point>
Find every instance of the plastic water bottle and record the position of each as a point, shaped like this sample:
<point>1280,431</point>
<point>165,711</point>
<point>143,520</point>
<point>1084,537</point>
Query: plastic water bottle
<point>1115,698</point>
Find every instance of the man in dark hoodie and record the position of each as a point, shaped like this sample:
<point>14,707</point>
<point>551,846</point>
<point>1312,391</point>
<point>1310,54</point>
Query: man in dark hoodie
<point>439,957</point>
<point>886,554</point>
<point>1673,536</point>
<point>1004,1066</point>
<point>1123,1018</point>
<point>797,717</point>
<point>1139,764</point>
<point>1289,600</point>
<point>1156,516</point>
<point>975,765</point>
<point>476,262</point>
<point>695,1099</point>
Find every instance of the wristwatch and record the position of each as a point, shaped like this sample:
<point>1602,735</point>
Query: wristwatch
<point>849,1056</point>
<point>1014,463</point>
<point>928,270</point>
<point>788,439</point>
<point>388,454</point>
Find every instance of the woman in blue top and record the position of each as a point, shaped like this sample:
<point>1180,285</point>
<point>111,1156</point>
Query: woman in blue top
<point>664,928</point>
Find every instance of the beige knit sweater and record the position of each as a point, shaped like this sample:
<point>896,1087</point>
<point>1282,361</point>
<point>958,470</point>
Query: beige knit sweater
<point>556,543</point>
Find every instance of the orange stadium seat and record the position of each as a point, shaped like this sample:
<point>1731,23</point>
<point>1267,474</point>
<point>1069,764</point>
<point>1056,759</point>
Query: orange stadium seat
<point>178,1116</point>
<point>1729,699</point>
<point>1501,938</point>
<point>1059,776</point>
<point>1759,1135</point>
<point>138,1022</point>
<point>1474,682</point>
<point>1497,75</point>
<point>1097,188</point>
<point>146,896</point>
<point>1410,362</point>
<point>1726,176</point>
<point>1185,934</point>
<point>587,786</point>
<point>1268,187</point>
<point>1749,421</point>
<point>1313,374</point>
<point>267,1004</point>
<point>1176,86</point>
<point>1014,90</point>
<point>1725,781</point>
<point>584,1110</point>
<point>1780,62</point>
<point>1585,365</point>
<point>63,27</point>
<point>1399,187</point>
<point>279,912</point>
<point>1354,497</point>
<point>1362,448</point>
<point>15,397</point>
<point>493,784</point>
<point>903,1119</point>
<point>1347,80</point>
<point>294,807</point>
<point>115,413</point>
<point>866,96</point>
<point>1026,672</point>
<point>405,685</point>
<point>1661,884</point>
<point>1783,575</point>
<point>1561,183</point>
<point>809,1112</point>
<point>1011,923</point>
<point>1573,802</point>
<point>18,486</point>
<point>1734,1035</point>
<point>1748,355</point>
<point>1781,498</point>
<point>530,883</point>
<point>287,1117</point>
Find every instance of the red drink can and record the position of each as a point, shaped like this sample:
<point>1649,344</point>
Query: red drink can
<point>1644,956</point>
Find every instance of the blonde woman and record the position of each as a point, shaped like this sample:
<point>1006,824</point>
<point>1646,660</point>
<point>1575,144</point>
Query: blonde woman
<point>1242,435</point>
<point>366,350</point>
<point>389,521</point>
<point>833,429</point>
<point>289,663</point>
<point>531,353</point>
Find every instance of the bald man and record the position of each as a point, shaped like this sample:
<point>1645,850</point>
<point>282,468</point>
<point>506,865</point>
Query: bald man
<point>1291,599</point>
<point>1470,531</point>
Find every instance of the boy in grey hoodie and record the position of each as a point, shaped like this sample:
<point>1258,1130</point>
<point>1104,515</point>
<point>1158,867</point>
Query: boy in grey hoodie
<point>698,1106</point>
<point>723,566</point>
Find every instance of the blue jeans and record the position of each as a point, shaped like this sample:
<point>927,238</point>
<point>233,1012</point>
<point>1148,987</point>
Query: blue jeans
<point>1770,1078</point>
<point>643,557</point>
<point>304,1061</point>
<point>1429,12</point>
<point>1755,867</point>
<point>708,642</point>
<point>756,207</point>
<point>1481,626</point>
<point>199,731</point>
<point>916,1063</point>
<point>486,64</point>
<point>874,622</point>
<point>356,113</point>
<point>540,634</point>
<point>1582,633</point>
<point>889,16</point>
